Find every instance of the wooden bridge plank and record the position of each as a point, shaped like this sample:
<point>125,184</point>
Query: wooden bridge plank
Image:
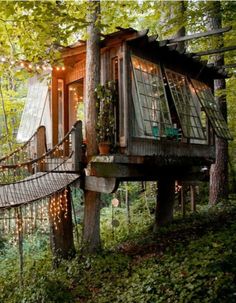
<point>35,187</point>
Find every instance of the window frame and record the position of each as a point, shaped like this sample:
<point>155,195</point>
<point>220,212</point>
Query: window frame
<point>212,111</point>
<point>165,121</point>
<point>194,129</point>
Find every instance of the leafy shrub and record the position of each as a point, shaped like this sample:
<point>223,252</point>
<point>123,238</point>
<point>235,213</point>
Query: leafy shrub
<point>192,260</point>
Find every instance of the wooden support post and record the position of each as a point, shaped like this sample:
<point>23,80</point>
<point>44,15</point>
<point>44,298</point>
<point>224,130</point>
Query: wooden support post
<point>19,226</point>
<point>193,200</point>
<point>183,199</point>
<point>165,202</point>
<point>77,141</point>
<point>127,203</point>
<point>41,146</point>
<point>101,185</point>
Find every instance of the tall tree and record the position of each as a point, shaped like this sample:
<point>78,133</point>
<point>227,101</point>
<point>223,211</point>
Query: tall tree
<point>219,170</point>
<point>91,229</point>
<point>166,184</point>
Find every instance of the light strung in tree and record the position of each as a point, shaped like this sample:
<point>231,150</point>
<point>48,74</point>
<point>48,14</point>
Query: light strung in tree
<point>37,216</point>
<point>29,66</point>
<point>58,207</point>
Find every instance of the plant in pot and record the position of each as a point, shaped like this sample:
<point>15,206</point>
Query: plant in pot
<point>106,96</point>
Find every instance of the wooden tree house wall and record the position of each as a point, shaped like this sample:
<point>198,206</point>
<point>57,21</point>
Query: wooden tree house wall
<point>162,117</point>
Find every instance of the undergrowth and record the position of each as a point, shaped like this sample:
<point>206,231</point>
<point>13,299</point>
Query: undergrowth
<point>192,260</point>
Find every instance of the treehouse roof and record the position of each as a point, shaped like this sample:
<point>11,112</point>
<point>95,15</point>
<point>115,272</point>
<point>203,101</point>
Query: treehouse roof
<point>149,46</point>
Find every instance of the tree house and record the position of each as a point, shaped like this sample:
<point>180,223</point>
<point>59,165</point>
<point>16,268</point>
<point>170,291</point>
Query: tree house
<point>166,117</point>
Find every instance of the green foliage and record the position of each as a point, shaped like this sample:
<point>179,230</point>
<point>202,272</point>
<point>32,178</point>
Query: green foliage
<point>12,96</point>
<point>106,96</point>
<point>199,270</point>
<point>29,31</point>
<point>192,260</point>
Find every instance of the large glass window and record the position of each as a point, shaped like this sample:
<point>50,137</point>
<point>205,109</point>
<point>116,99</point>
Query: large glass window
<point>186,107</point>
<point>149,97</point>
<point>213,112</point>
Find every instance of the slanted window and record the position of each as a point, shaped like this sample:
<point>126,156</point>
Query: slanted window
<point>149,97</point>
<point>187,109</point>
<point>213,112</point>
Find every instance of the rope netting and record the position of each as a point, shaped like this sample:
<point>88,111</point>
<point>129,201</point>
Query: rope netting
<point>36,187</point>
<point>31,192</point>
<point>17,171</point>
<point>24,153</point>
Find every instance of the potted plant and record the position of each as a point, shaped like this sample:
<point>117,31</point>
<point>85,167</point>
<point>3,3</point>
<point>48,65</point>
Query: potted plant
<point>106,96</point>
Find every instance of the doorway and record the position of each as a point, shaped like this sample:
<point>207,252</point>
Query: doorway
<point>76,104</point>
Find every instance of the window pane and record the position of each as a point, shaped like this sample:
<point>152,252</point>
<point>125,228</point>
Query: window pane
<point>210,106</point>
<point>187,110</point>
<point>150,93</point>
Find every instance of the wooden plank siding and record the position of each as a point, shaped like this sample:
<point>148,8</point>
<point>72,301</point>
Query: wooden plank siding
<point>75,73</point>
<point>170,148</point>
<point>132,152</point>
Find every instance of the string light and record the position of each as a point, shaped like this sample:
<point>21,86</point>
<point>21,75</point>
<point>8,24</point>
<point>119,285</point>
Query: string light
<point>25,217</point>
<point>178,187</point>
<point>29,65</point>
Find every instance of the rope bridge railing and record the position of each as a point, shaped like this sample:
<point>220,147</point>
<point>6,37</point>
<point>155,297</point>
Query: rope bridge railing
<point>27,204</point>
<point>10,173</point>
<point>37,186</point>
<point>35,192</point>
<point>30,204</point>
<point>26,152</point>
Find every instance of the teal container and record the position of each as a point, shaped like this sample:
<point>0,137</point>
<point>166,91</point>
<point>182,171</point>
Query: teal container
<point>172,132</point>
<point>155,131</point>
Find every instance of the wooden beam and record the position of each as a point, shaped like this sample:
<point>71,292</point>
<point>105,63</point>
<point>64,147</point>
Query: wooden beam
<point>41,145</point>
<point>152,38</point>
<point>193,198</point>
<point>77,138</point>
<point>199,35</point>
<point>102,185</point>
<point>215,51</point>
<point>232,65</point>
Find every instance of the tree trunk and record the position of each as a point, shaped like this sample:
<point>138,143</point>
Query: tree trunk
<point>91,229</point>
<point>165,202</point>
<point>166,185</point>
<point>61,235</point>
<point>219,170</point>
<point>181,32</point>
<point>5,118</point>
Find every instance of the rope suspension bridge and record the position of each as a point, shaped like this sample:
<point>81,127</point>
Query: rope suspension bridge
<point>35,183</point>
